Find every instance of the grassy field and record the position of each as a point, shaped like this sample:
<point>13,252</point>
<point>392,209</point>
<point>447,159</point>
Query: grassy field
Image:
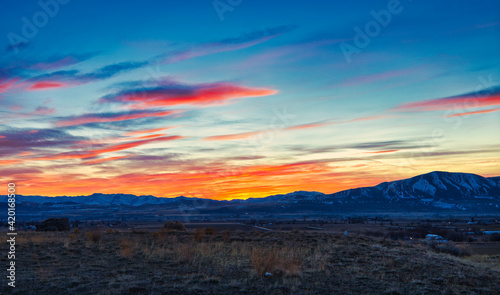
<point>205,261</point>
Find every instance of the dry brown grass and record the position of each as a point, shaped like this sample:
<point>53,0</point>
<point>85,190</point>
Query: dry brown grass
<point>94,236</point>
<point>264,260</point>
<point>198,235</point>
<point>127,248</point>
<point>168,262</point>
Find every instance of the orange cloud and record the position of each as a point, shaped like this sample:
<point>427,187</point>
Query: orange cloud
<point>133,133</point>
<point>217,182</point>
<point>202,95</point>
<point>383,152</point>
<point>307,126</point>
<point>9,162</point>
<point>474,113</point>
<point>233,136</point>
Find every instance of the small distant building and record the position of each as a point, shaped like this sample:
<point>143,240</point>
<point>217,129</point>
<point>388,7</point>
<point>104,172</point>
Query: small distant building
<point>435,238</point>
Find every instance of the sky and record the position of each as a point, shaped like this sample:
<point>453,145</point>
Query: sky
<point>233,99</point>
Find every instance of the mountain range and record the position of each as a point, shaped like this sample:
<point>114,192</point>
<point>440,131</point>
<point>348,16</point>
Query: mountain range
<point>427,192</point>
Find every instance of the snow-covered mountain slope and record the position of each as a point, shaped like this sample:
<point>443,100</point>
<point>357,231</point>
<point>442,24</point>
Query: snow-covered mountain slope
<point>435,190</point>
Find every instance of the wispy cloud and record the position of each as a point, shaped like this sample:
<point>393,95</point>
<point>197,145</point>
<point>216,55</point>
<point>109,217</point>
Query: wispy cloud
<point>230,44</point>
<point>45,85</point>
<point>110,117</point>
<point>489,97</point>
<point>244,135</point>
<point>58,61</point>
<point>107,149</point>
<point>101,73</point>
<point>137,132</point>
<point>235,136</point>
<point>474,112</point>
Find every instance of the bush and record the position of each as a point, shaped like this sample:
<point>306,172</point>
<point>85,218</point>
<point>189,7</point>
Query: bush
<point>127,248</point>
<point>94,236</point>
<point>174,225</point>
<point>226,236</point>
<point>210,231</point>
<point>264,260</point>
<point>198,235</point>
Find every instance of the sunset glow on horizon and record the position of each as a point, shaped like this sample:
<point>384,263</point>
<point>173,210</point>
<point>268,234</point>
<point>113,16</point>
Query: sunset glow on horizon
<point>176,99</point>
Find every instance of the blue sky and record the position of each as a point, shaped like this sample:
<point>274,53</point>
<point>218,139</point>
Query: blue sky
<point>237,99</point>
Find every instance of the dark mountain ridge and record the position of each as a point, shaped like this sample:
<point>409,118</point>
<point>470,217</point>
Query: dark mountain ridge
<point>431,191</point>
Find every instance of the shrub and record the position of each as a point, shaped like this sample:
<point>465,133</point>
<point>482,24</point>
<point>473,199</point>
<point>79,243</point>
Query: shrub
<point>198,235</point>
<point>76,231</point>
<point>186,253</point>
<point>210,231</point>
<point>94,236</point>
<point>174,225</point>
<point>290,262</point>
<point>226,236</point>
<point>127,248</point>
<point>264,260</point>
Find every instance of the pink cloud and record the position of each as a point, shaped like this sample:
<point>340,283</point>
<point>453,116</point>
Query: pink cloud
<point>474,113</point>
<point>45,85</point>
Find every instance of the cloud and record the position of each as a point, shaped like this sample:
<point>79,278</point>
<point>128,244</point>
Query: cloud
<point>310,125</point>
<point>107,149</point>
<point>7,84</point>
<point>109,71</point>
<point>171,94</point>
<point>485,98</point>
<point>77,78</point>
<point>377,77</point>
<point>230,44</point>
<point>137,132</point>
<point>250,134</point>
<point>17,46</point>
<point>60,61</point>
<point>103,160</point>
<point>110,117</point>
<point>45,85</point>
<point>388,146</point>
<point>474,113</point>
<point>15,141</point>
<point>236,136</point>
<point>10,172</point>
<point>383,152</point>
<point>43,110</point>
